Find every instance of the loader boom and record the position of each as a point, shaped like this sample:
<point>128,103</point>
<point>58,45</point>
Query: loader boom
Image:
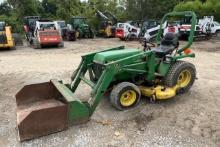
<point>108,73</point>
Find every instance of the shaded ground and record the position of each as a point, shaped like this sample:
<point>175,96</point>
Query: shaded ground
<point>192,119</point>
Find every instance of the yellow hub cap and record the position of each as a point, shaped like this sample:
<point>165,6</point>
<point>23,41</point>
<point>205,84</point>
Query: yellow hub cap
<point>184,78</point>
<point>128,98</point>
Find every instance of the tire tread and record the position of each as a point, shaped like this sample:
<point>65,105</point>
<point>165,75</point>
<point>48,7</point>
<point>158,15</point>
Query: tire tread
<point>117,89</point>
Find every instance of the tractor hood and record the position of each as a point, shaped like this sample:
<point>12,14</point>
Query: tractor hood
<point>109,56</point>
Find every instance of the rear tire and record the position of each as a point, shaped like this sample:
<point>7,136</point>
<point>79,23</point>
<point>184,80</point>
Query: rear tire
<point>17,39</point>
<point>218,34</point>
<point>61,45</point>
<point>125,96</point>
<point>36,44</point>
<point>13,48</point>
<point>181,73</point>
<point>91,35</point>
<point>122,39</point>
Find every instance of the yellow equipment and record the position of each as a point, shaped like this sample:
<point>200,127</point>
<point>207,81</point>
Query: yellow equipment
<point>107,25</point>
<point>6,38</point>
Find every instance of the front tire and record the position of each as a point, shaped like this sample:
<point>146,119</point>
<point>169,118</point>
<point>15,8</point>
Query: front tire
<point>182,74</point>
<point>91,34</point>
<point>218,34</point>
<point>125,96</point>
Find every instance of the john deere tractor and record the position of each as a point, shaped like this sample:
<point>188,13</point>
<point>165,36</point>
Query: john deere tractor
<point>83,30</point>
<point>156,72</point>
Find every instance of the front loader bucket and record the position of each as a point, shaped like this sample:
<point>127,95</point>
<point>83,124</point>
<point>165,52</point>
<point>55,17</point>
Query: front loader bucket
<point>46,108</point>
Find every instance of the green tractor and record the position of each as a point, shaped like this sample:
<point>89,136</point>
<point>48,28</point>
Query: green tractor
<point>83,30</point>
<point>155,72</point>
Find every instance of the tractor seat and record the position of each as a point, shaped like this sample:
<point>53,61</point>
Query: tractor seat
<point>168,44</point>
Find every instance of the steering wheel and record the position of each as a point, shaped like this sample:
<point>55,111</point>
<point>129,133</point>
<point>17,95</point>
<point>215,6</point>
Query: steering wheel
<point>147,44</point>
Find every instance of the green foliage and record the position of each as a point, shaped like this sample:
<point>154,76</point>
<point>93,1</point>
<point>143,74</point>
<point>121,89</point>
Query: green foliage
<point>25,7</point>
<point>13,22</point>
<point>202,8</point>
<point>5,9</point>
<point>49,7</point>
<point>13,11</point>
<point>68,8</point>
<point>149,9</point>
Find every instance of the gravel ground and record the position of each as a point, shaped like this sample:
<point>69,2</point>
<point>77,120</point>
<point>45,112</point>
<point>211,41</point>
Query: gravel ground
<point>191,119</point>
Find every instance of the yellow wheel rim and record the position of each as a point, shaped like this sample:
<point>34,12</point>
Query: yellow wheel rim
<point>184,78</point>
<point>128,98</point>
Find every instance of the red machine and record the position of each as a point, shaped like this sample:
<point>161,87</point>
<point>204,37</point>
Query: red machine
<point>46,34</point>
<point>41,33</point>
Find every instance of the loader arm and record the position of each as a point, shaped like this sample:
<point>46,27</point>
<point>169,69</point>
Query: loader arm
<point>109,71</point>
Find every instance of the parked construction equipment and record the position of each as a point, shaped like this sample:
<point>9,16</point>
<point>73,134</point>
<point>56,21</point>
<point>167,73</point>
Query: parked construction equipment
<point>82,29</point>
<point>61,25</point>
<point>66,31</point>
<point>205,27</point>
<point>29,27</point>
<point>149,29</point>
<point>107,24</point>
<point>208,25</point>
<point>155,72</point>
<point>41,32</point>
<point>127,31</point>
<point>6,37</point>
<point>172,27</point>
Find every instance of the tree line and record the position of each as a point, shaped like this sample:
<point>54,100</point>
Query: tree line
<point>13,11</point>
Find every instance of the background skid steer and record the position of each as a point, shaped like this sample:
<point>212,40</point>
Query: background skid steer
<point>50,107</point>
<point>8,40</point>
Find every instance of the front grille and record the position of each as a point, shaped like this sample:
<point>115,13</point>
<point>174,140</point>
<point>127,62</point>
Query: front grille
<point>49,33</point>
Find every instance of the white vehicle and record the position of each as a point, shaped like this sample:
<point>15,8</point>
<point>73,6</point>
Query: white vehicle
<point>215,28</point>
<point>208,23</point>
<point>61,26</point>
<point>46,34</point>
<point>126,31</point>
<point>205,27</point>
<point>44,25</point>
<point>150,29</point>
<point>172,28</point>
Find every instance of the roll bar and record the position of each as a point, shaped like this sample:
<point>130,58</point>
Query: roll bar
<point>192,31</point>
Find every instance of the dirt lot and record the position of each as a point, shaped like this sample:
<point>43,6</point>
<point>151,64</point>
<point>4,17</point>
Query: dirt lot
<point>192,119</point>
